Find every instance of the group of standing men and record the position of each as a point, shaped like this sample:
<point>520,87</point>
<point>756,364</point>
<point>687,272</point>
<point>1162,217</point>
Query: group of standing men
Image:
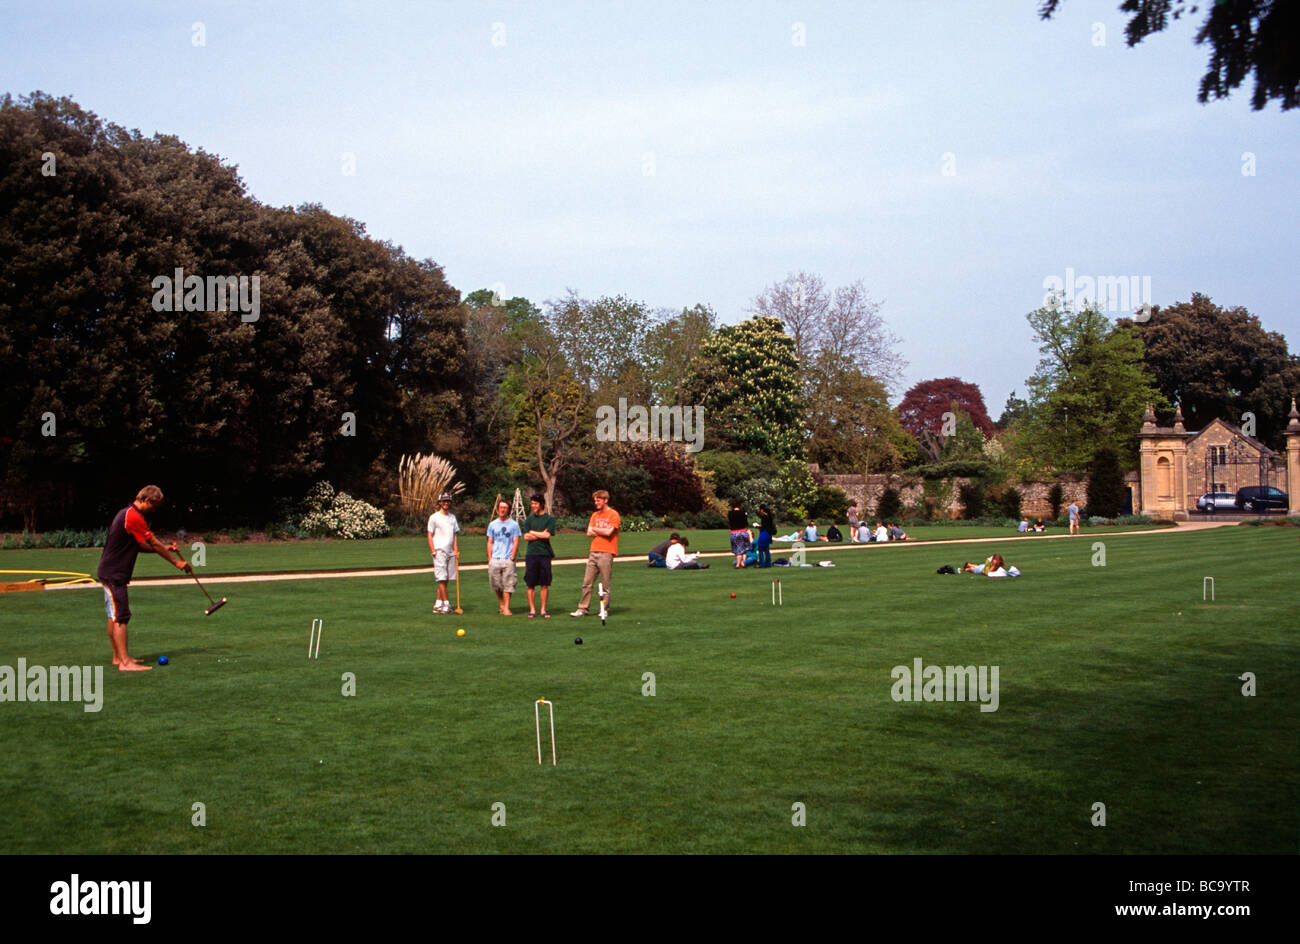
<point>503,537</point>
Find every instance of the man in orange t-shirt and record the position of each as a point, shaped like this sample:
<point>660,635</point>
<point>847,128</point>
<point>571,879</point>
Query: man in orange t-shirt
<point>603,530</point>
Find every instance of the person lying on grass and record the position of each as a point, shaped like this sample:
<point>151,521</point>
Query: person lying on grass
<point>995,566</point>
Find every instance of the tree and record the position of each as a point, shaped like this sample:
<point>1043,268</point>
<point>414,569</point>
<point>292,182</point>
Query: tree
<point>349,332</point>
<point>966,441</point>
<point>670,345</point>
<point>1090,390</point>
<point>1012,410</point>
<point>921,411</point>
<point>1246,36</point>
<point>746,377</point>
<point>847,325</point>
<point>1220,363</point>
<point>800,304</point>
<point>498,334</point>
<point>553,412</point>
<point>890,505</point>
<point>602,341</point>
<point>850,425</point>
<point>856,337</point>
<point>1106,487</point>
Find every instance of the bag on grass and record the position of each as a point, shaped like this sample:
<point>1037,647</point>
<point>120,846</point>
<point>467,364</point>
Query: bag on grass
<point>946,569</point>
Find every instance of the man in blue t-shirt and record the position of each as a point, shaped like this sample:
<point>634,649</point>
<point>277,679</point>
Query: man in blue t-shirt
<point>503,536</point>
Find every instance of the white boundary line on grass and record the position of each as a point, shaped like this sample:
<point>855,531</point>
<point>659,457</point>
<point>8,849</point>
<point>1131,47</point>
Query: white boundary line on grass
<point>819,547</point>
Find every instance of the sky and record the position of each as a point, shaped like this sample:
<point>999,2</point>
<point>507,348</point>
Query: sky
<point>955,156</point>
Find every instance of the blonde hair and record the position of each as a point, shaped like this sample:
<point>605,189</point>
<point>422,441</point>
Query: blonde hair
<point>600,494</point>
<point>150,493</point>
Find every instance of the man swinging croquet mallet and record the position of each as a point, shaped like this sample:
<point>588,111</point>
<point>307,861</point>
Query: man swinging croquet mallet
<point>127,535</point>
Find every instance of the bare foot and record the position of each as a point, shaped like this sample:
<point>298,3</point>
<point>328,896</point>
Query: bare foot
<point>131,660</point>
<point>134,667</point>
<point>506,613</point>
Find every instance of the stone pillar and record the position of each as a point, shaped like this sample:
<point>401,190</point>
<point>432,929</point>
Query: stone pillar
<point>1293,461</point>
<point>1147,491</point>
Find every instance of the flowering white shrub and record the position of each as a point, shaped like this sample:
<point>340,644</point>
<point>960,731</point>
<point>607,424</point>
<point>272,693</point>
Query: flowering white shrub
<point>338,515</point>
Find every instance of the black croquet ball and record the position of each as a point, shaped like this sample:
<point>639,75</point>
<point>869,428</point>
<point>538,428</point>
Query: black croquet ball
<point>578,641</point>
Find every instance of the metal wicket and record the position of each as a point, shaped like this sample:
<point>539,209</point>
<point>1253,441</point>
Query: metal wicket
<point>537,719</point>
<point>777,598</point>
<point>1208,582</point>
<point>317,630</point>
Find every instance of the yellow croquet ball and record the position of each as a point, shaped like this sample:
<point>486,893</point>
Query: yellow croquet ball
<point>460,632</point>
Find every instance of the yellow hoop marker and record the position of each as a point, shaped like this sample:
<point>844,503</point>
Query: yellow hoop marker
<point>77,576</point>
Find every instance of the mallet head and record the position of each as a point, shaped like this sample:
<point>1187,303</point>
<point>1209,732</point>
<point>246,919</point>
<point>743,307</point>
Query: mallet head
<point>214,607</point>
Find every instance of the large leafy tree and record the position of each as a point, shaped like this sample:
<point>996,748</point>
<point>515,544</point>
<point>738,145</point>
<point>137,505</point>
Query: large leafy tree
<point>225,414</point>
<point>1220,363</point>
<point>850,425</point>
<point>922,410</point>
<point>553,419</point>
<point>845,323</point>
<point>1245,37</point>
<point>1090,389</point>
<point>670,346</point>
<point>602,341</point>
<point>747,379</point>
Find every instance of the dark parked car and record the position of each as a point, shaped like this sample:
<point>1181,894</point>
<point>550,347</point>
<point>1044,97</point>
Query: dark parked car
<point>1216,501</point>
<point>1261,498</point>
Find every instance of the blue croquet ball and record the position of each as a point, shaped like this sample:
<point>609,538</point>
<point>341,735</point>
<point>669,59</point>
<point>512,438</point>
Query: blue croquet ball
<point>578,641</point>
<point>162,660</point>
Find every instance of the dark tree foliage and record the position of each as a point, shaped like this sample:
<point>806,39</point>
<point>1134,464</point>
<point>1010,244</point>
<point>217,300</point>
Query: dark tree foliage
<point>1056,498</point>
<point>730,469</point>
<point>1010,501</point>
<point>1220,363</point>
<point>225,414</point>
<point>889,506</point>
<point>674,485</point>
<point>922,410</point>
<point>1105,484</point>
<point>973,496</point>
<point>1245,36</point>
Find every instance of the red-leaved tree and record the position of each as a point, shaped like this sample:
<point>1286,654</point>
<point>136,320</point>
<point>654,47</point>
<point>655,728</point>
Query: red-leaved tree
<point>922,411</point>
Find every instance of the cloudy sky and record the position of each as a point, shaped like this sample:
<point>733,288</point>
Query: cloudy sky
<point>952,155</point>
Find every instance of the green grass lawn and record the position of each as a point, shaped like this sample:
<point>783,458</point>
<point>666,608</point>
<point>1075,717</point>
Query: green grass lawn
<point>280,556</point>
<point>1117,685</point>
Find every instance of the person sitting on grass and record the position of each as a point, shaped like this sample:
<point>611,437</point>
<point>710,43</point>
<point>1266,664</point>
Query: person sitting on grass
<point>896,533</point>
<point>1039,526</point>
<point>1024,526</point>
<point>810,532</point>
<point>659,553</point>
<point>833,534</point>
<point>864,533</point>
<point>882,533</point>
<point>678,559</point>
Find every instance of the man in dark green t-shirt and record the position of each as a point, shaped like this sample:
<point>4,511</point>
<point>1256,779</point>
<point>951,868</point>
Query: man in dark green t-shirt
<point>538,528</point>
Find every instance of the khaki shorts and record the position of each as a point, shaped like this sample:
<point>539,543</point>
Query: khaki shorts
<point>444,566</point>
<point>502,576</point>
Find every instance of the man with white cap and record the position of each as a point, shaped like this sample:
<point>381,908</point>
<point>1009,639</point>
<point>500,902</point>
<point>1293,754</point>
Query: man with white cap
<point>443,528</point>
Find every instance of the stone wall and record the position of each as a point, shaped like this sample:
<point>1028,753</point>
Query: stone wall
<point>1033,504</point>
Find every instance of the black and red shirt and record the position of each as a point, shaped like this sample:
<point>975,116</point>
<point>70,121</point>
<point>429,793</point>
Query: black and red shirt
<point>126,534</point>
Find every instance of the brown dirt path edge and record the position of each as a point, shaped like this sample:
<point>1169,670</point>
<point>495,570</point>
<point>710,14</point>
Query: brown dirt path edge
<point>471,568</point>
